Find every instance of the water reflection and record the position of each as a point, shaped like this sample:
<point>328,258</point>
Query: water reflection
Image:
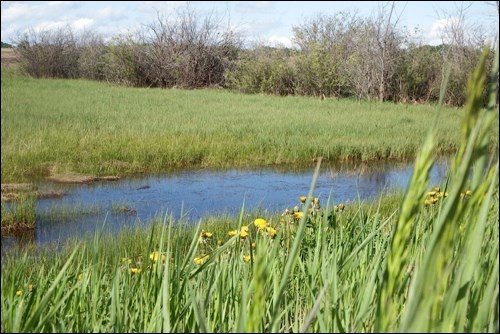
<point>194,194</point>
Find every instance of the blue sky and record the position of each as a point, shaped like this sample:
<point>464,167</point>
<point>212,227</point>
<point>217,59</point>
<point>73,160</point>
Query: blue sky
<point>266,21</point>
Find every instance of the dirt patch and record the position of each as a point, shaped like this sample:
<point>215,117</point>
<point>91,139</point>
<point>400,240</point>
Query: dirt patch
<point>80,179</point>
<point>17,187</point>
<point>9,57</point>
<point>17,229</point>
<point>13,191</point>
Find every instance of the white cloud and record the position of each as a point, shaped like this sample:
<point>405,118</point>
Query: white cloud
<point>277,41</point>
<point>82,24</point>
<point>441,29</point>
<point>16,11</point>
<point>59,3</point>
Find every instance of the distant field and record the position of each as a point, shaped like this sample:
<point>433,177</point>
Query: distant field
<point>51,126</point>
<point>9,57</point>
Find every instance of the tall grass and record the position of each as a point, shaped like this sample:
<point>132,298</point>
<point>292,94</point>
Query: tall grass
<point>404,266</point>
<point>58,126</point>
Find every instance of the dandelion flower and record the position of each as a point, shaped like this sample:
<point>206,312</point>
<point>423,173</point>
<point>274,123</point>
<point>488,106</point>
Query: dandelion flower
<point>135,270</point>
<point>232,233</point>
<point>30,287</point>
<point>260,223</point>
<point>271,232</point>
<point>156,255</point>
<point>19,293</point>
<point>206,235</point>
<point>200,260</point>
<point>431,193</point>
<point>246,258</point>
<point>302,199</point>
<point>468,193</point>
<point>243,234</point>
<point>341,207</point>
<point>244,228</point>
<point>298,215</point>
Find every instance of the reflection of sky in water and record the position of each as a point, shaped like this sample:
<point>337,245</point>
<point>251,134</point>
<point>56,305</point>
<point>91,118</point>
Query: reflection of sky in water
<point>198,193</point>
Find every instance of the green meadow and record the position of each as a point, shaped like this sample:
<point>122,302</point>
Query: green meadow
<point>58,126</point>
<point>426,260</point>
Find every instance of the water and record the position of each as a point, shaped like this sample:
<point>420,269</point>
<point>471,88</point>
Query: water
<point>194,194</point>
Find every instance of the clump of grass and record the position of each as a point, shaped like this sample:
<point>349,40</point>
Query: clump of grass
<point>19,216</point>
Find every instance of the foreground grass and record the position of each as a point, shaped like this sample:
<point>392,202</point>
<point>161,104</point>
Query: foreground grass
<point>426,262</point>
<point>57,126</point>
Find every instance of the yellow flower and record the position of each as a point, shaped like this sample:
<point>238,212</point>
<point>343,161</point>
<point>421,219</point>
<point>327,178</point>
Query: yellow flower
<point>30,287</point>
<point>79,278</point>
<point>19,293</point>
<point>232,233</point>
<point>219,242</point>
<point>431,193</point>
<point>298,215</point>
<point>246,258</point>
<point>135,270</point>
<point>260,223</point>
<point>437,189</point>
<point>341,207</point>
<point>468,193</point>
<point>271,232</point>
<point>200,260</point>
<point>302,199</point>
<point>244,228</point>
<point>243,234</point>
<point>156,255</point>
<point>206,235</point>
<point>124,259</point>
<point>427,202</point>
<point>254,245</point>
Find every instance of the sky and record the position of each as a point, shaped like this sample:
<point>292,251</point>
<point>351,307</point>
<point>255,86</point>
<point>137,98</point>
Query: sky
<point>270,22</point>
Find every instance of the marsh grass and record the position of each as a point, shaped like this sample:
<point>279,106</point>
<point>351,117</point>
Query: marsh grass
<point>54,127</point>
<point>19,216</point>
<point>396,264</point>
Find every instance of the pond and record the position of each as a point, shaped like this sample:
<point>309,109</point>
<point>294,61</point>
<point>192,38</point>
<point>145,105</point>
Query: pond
<point>196,193</point>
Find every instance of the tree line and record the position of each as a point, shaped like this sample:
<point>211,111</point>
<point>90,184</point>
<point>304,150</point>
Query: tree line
<point>339,55</point>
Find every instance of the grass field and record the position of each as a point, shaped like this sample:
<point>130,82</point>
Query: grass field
<point>57,126</point>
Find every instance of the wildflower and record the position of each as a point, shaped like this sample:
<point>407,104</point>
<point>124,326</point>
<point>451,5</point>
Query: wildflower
<point>341,207</point>
<point>19,293</point>
<point>244,228</point>
<point>298,215</point>
<point>206,235</point>
<point>302,199</point>
<point>271,232</point>
<point>135,270</point>
<point>434,200</point>
<point>468,193</point>
<point>200,260</point>
<point>232,233</point>
<point>437,189</point>
<point>219,242</point>
<point>124,259</point>
<point>79,277</point>
<point>246,258</point>
<point>431,193</point>
<point>260,223</point>
<point>156,255</point>
<point>254,245</point>
<point>243,234</point>
<point>30,287</point>
<point>295,209</point>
